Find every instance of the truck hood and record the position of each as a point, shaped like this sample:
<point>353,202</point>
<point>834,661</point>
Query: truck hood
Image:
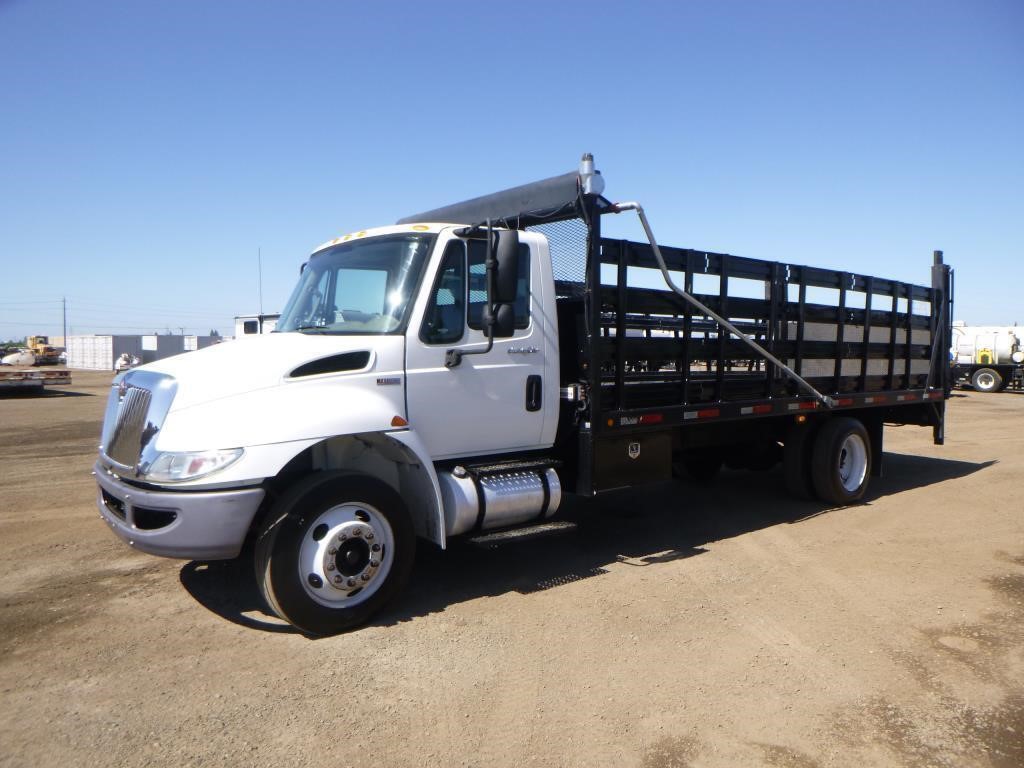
<point>253,363</point>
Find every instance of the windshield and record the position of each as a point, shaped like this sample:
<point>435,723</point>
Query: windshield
<point>360,287</point>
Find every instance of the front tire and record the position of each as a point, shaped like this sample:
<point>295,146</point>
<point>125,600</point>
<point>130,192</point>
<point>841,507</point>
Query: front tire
<point>334,550</point>
<point>841,462</point>
<point>986,380</point>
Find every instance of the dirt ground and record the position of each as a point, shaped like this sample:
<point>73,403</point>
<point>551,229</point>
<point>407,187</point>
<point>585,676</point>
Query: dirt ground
<point>679,627</point>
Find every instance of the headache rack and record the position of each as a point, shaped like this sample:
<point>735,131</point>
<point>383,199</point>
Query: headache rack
<point>644,357</point>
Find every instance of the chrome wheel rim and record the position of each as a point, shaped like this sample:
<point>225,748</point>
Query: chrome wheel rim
<point>346,555</point>
<point>986,381</point>
<point>853,462</point>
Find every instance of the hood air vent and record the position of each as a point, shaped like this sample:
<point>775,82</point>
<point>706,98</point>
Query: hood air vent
<point>347,361</point>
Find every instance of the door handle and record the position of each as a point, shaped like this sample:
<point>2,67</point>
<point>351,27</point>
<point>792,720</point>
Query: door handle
<point>533,393</point>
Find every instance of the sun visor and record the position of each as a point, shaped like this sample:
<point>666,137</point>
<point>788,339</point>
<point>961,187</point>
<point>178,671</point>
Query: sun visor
<point>545,199</point>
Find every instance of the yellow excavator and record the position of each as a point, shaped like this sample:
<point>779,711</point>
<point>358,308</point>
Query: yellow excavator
<point>44,353</point>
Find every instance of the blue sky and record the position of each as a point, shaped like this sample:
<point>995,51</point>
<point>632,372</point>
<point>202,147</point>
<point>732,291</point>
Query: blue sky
<point>149,150</point>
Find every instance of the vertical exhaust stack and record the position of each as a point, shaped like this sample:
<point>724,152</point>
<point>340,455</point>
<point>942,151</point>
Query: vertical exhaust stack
<point>591,181</point>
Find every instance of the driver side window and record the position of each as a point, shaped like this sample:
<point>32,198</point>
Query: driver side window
<point>445,319</point>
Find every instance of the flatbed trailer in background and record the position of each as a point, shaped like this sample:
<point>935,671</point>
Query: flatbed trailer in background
<point>26,377</point>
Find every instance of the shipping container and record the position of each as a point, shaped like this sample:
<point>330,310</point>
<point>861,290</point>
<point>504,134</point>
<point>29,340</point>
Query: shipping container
<point>99,353</point>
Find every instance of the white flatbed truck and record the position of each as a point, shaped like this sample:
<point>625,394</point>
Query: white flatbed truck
<point>988,358</point>
<point>464,369</point>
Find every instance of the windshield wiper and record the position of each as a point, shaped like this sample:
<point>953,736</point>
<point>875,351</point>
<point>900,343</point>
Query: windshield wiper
<point>313,328</point>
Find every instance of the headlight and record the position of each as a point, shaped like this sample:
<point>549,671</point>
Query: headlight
<point>190,465</point>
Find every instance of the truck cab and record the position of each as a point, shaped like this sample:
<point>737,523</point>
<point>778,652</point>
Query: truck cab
<point>411,296</point>
<point>383,366</point>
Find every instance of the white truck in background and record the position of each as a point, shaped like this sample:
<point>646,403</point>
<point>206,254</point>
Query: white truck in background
<point>989,358</point>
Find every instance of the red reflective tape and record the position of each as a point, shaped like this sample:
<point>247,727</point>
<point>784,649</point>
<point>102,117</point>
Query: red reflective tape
<point>844,401</point>
<point>652,418</point>
<point>708,413</point>
<point>808,406</point>
<point>936,395</point>
<point>762,409</point>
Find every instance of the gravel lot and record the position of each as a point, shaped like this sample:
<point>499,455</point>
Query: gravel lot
<point>675,627</point>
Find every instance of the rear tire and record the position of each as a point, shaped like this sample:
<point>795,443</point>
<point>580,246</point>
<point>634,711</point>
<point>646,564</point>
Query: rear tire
<point>986,380</point>
<point>841,463</point>
<point>334,550</point>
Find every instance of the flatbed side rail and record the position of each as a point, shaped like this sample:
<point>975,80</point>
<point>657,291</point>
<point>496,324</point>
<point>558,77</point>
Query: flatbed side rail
<point>864,341</point>
<point>796,377</point>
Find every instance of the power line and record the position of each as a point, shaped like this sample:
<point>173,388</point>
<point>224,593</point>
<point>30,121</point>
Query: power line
<point>144,329</point>
<point>144,313</point>
<point>118,306</point>
<point>7,303</point>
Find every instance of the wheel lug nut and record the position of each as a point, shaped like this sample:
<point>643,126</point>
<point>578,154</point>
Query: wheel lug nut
<point>351,582</point>
<point>338,579</point>
<point>332,551</point>
<point>375,547</point>
<point>342,537</point>
<point>369,535</point>
<point>357,532</point>
<point>374,563</point>
<point>365,577</point>
<point>330,566</point>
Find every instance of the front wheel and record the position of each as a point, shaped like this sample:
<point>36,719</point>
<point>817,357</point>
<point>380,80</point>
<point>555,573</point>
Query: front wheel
<point>986,380</point>
<point>841,461</point>
<point>335,549</point>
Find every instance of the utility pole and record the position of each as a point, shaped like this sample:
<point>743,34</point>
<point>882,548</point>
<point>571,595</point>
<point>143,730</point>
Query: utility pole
<point>64,304</point>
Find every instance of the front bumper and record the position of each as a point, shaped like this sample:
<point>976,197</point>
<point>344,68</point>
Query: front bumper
<point>205,525</point>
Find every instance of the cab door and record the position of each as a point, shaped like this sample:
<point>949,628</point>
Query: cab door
<point>491,402</point>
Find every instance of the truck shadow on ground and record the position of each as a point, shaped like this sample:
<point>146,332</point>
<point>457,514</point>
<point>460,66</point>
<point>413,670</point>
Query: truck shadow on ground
<point>904,471</point>
<point>35,394</point>
<point>638,528</point>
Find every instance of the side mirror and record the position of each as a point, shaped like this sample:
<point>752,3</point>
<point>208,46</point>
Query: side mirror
<point>303,267</point>
<point>506,267</point>
<point>504,321</point>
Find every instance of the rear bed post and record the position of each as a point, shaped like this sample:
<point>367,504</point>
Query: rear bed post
<point>940,375</point>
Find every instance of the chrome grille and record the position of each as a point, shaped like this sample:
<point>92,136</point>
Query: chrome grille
<point>125,444</point>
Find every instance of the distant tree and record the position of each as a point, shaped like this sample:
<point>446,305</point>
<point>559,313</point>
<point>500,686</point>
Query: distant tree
<point>13,345</point>
<point>214,333</point>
